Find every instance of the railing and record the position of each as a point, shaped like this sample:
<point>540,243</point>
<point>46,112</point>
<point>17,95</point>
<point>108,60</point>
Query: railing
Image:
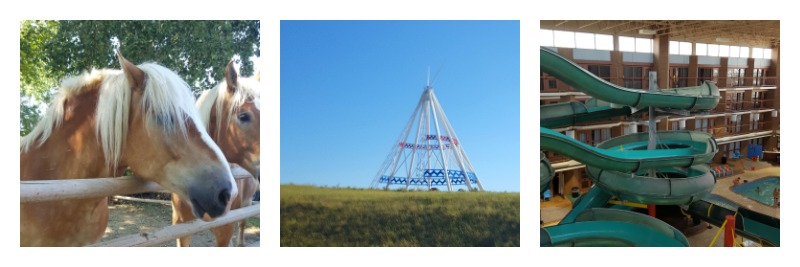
<point>731,105</point>
<point>547,82</point>
<point>730,130</point>
<point>749,81</point>
<point>52,190</point>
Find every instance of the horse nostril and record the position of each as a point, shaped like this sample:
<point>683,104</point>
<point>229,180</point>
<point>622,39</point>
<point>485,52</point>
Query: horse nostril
<point>224,196</point>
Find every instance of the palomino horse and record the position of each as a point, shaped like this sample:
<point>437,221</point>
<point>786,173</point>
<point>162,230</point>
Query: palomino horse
<point>231,113</point>
<point>103,121</point>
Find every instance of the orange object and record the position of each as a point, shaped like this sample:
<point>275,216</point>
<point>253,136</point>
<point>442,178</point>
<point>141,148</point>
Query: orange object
<point>729,230</point>
<point>651,210</point>
<point>753,168</point>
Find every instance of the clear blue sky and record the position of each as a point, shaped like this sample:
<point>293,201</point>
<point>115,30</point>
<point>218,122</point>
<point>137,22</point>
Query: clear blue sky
<point>348,89</point>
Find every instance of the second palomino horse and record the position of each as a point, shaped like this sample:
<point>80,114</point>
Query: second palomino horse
<point>231,113</point>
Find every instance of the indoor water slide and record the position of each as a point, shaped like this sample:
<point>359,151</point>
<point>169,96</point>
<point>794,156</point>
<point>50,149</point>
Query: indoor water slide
<point>750,224</point>
<point>703,97</point>
<point>619,166</point>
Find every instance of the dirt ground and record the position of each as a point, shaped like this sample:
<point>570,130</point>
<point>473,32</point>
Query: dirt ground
<point>129,217</point>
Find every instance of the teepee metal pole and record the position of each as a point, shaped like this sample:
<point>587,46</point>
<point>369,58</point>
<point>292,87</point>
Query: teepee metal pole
<point>403,138</point>
<point>428,142</point>
<point>413,151</point>
<point>439,141</point>
<point>455,148</point>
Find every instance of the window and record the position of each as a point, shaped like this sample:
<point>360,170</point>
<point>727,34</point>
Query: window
<point>704,125</point>
<point>734,51</point>
<point>674,126</point>
<point>734,101</point>
<point>564,39</point>
<point>600,135</point>
<point>762,53</point>
<point>744,52</point>
<point>631,44</point>
<point>713,50</point>
<point>759,99</point>
<point>644,45</point>
<point>736,77</point>
<point>724,51</point>
<point>734,149</point>
<point>627,44</point>
<point>547,82</point>
<point>758,52</point>
<point>581,40</point>
<point>701,49</point>
<point>602,71</point>
<point>584,40</point>
<point>546,38</point>
<point>758,75</point>
<point>707,74</point>
<point>679,77</point>
<point>636,77</point>
<point>604,42</point>
<point>680,48</point>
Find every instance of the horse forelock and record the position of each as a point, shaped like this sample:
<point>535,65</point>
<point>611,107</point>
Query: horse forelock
<point>247,91</point>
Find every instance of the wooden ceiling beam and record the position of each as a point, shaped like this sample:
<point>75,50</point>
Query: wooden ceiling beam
<point>617,25</point>
<point>589,24</point>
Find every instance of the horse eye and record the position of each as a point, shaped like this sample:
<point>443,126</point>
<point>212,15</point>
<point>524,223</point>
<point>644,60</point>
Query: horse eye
<point>244,117</point>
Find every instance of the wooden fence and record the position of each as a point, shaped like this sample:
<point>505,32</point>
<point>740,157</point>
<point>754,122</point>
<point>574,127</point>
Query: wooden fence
<point>50,190</point>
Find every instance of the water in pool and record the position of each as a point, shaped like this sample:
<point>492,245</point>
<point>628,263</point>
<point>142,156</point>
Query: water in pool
<point>760,190</point>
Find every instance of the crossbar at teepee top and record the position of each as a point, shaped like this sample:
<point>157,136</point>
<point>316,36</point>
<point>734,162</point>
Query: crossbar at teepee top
<point>428,153</point>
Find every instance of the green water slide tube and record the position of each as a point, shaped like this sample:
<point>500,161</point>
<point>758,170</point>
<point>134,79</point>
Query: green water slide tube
<point>750,224</point>
<point>572,113</point>
<point>703,97</point>
<point>610,227</point>
<point>619,165</point>
<point>546,172</point>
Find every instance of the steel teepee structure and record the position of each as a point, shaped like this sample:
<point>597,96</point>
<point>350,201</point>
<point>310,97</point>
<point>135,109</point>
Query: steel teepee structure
<point>428,153</point>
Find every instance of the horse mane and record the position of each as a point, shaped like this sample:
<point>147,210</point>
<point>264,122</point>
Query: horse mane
<point>165,97</point>
<point>247,90</point>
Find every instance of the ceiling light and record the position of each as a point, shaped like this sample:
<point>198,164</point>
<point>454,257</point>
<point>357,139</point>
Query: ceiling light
<point>646,31</point>
<point>723,40</point>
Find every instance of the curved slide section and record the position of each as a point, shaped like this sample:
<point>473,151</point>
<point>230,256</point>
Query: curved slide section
<point>572,113</point>
<point>609,227</point>
<point>750,224</point>
<point>619,165</point>
<point>703,97</point>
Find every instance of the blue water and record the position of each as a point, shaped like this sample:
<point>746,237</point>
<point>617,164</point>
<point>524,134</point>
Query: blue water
<point>765,186</point>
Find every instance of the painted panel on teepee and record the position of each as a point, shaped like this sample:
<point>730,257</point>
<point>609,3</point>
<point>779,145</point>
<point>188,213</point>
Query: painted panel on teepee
<point>427,155</point>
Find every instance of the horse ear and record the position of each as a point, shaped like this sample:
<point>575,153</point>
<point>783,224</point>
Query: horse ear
<point>231,77</point>
<point>134,74</point>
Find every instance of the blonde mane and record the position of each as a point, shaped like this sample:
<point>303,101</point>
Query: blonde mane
<point>248,90</point>
<point>165,97</point>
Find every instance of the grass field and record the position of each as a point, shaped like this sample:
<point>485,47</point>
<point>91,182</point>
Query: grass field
<point>328,217</point>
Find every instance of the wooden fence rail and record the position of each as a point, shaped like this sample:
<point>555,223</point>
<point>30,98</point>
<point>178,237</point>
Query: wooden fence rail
<point>170,233</point>
<point>51,190</point>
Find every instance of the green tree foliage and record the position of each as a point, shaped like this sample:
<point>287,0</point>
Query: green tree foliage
<point>197,50</point>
